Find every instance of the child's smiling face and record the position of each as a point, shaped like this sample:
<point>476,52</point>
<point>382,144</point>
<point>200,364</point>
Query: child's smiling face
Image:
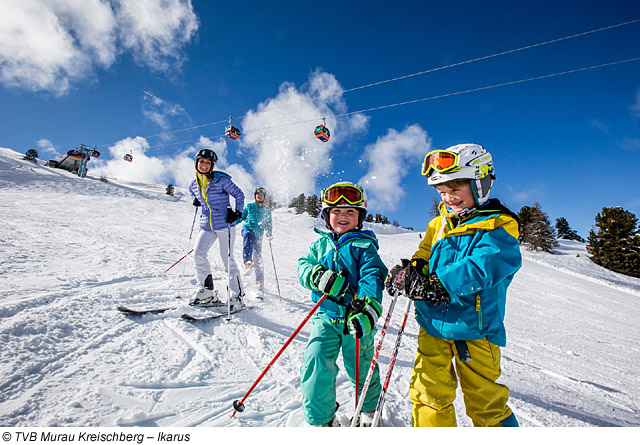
<point>457,196</point>
<point>343,219</point>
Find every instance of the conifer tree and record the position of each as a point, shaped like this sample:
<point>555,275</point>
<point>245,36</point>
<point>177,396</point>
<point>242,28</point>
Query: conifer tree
<point>434,210</point>
<point>170,190</point>
<point>565,231</point>
<point>369,218</point>
<point>313,205</point>
<point>31,155</point>
<point>615,242</point>
<point>298,203</point>
<point>536,229</point>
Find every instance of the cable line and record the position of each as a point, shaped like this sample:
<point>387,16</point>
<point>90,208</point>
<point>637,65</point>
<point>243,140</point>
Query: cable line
<point>406,77</point>
<point>546,76</point>
<point>424,99</point>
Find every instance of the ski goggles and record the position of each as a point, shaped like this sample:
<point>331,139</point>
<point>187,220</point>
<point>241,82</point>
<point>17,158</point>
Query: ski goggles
<point>260,190</point>
<point>441,161</point>
<point>350,193</point>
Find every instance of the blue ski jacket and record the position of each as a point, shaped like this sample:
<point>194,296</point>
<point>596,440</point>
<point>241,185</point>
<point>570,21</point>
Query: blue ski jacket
<point>475,257</point>
<point>213,195</point>
<point>257,218</point>
<point>356,253</point>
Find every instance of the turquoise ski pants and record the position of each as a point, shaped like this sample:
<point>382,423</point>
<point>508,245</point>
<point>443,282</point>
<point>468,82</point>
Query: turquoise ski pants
<point>319,369</point>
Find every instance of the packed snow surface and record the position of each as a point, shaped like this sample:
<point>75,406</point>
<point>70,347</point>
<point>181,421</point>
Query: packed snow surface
<point>72,250</point>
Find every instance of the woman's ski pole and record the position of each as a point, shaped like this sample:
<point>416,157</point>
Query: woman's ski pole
<point>374,361</point>
<point>178,261</point>
<point>188,244</point>
<point>228,318</point>
<point>274,268</point>
<point>392,362</point>
<point>238,405</point>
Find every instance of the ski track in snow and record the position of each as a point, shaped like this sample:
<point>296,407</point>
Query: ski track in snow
<point>73,249</point>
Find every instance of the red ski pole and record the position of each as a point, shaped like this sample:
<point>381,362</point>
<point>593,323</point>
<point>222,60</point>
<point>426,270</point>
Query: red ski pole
<point>374,361</point>
<point>178,261</point>
<point>392,362</point>
<point>238,405</point>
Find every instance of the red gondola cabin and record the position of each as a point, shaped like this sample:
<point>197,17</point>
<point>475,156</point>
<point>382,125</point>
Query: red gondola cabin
<point>322,133</point>
<point>128,157</point>
<point>232,132</point>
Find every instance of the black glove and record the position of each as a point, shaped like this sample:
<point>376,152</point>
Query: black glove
<point>411,278</point>
<point>408,277</point>
<point>196,203</point>
<point>233,215</point>
<point>434,292</point>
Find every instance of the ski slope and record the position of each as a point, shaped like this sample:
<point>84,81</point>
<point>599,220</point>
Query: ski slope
<point>73,249</point>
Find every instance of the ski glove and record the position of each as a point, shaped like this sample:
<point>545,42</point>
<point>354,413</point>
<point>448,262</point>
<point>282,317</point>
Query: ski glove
<point>433,292</point>
<point>196,203</point>
<point>233,215</point>
<point>328,282</point>
<point>361,316</point>
<point>407,277</point>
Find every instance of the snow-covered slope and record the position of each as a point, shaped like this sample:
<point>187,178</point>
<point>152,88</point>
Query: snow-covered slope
<point>73,249</point>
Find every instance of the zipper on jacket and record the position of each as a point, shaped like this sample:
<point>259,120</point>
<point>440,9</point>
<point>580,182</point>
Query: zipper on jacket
<point>479,311</point>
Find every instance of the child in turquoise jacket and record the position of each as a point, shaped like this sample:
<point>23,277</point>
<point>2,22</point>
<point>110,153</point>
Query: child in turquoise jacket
<point>345,265</point>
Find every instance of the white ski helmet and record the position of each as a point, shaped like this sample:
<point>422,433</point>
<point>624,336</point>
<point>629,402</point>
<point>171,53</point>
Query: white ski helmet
<point>344,194</point>
<point>462,161</point>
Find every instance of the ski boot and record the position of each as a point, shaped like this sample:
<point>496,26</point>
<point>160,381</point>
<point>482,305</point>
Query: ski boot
<point>366,419</point>
<point>206,298</point>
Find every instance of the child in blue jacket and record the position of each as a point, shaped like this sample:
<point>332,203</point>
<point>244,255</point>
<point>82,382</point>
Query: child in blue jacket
<point>458,279</point>
<point>344,264</point>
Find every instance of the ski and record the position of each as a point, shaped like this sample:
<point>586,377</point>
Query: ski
<point>189,317</point>
<point>160,310</point>
<point>212,316</point>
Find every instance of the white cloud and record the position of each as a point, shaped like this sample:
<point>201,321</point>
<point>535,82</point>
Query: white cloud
<point>46,146</point>
<point>390,159</point>
<point>278,140</point>
<point>178,169</point>
<point>156,30</point>
<point>159,111</point>
<point>47,45</point>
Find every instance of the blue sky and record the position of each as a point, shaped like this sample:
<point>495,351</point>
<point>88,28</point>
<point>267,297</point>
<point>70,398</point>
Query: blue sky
<point>160,78</point>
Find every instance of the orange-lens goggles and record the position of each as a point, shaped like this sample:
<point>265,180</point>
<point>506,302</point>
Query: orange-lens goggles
<point>352,195</point>
<point>441,161</point>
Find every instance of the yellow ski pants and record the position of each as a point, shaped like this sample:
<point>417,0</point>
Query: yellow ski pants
<point>434,383</point>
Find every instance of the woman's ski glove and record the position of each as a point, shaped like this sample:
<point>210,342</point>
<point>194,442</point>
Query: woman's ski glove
<point>233,215</point>
<point>361,316</point>
<point>196,202</point>
<point>328,282</point>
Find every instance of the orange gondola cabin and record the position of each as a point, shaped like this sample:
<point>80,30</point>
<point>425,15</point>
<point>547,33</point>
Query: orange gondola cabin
<point>232,132</point>
<point>322,133</point>
<point>128,157</point>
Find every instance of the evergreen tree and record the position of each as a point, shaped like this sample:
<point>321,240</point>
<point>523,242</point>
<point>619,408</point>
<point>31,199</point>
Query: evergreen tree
<point>369,218</point>
<point>298,203</point>
<point>384,220</point>
<point>565,231</point>
<point>536,229</point>
<point>615,244</point>
<point>31,155</point>
<point>524,216</point>
<point>313,205</point>
<point>378,218</point>
<point>170,190</point>
<point>434,211</point>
